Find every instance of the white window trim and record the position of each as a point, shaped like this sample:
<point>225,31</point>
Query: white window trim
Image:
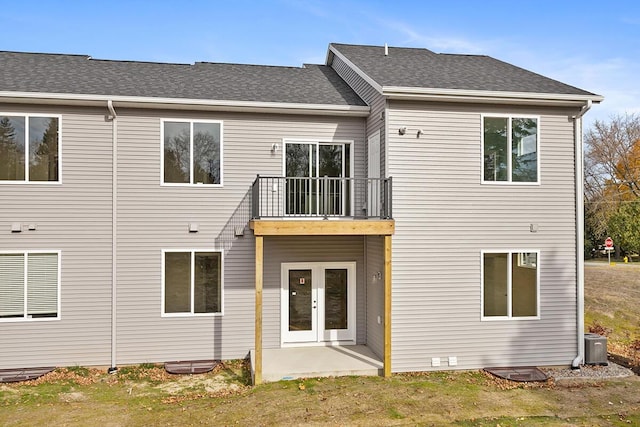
<point>509,316</point>
<point>192,314</point>
<point>25,317</point>
<point>191,183</point>
<point>26,149</point>
<point>510,117</point>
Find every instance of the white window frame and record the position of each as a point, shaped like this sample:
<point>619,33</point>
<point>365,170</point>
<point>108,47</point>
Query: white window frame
<point>191,183</point>
<point>192,314</point>
<point>316,143</point>
<point>25,317</point>
<point>26,148</point>
<point>510,117</point>
<point>509,315</point>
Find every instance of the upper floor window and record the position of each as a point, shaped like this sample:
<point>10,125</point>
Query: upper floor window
<point>29,285</point>
<point>510,285</point>
<point>510,149</point>
<point>29,148</point>
<point>192,152</point>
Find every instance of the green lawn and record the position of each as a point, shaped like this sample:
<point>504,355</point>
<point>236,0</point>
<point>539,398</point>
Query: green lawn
<point>612,304</point>
<point>147,396</point>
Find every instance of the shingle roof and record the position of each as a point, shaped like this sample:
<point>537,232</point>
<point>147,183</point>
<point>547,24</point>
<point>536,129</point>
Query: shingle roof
<point>79,74</point>
<point>422,68</point>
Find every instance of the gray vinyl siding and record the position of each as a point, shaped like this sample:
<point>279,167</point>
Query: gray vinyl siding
<point>75,218</point>
<point>375,293</point>
<point>152,217</point>
<point>445,217</point>
<point>308,249</point>
<point>373,98</point>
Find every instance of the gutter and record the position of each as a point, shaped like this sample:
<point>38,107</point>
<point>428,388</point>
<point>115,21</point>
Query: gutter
<point>185,104</point>
<point>113,118</point>
<point>484,96</point>
<point>577,123</point>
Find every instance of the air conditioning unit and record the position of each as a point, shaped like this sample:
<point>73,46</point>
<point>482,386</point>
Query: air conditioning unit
<point>595,350</point>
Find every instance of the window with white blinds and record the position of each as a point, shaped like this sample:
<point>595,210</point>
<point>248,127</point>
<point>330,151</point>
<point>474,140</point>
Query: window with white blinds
<point>29,285</point>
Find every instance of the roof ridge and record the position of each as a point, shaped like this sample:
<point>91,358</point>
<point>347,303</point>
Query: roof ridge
<point>46,53</point>
<point>247,65</point>
<point>382,46</point>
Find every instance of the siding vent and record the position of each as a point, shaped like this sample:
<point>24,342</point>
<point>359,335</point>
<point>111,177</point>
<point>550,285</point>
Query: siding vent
<point>193,227</point>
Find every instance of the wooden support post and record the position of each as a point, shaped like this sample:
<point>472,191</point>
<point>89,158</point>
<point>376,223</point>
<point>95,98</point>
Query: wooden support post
<point>387,306</point>
<point>257,379</point>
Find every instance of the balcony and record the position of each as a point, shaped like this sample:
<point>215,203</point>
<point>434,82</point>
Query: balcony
<point>293,205</point>
<point>321,197</point>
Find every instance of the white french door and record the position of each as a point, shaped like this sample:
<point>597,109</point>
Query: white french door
<point>318,302</point>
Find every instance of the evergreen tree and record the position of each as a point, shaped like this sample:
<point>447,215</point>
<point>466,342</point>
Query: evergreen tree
<point>11,160</point>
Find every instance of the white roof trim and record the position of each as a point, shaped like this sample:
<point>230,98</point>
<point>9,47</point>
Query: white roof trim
<point>358,71</point>
<point>398,92</point>
<point>179,103</point>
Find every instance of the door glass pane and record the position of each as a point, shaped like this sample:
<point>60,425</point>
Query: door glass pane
<point>176,152</point>
<point>335,298</point>
<point>297,168</point>
<point>206,153</point>
<point>206,287</point>
<point>524,149</point>
<point>300,300</point>
<point>12,149</point>
<point>495,148</point>
<point>177,282</point>
<point>495,285</point>
<point>330,159</point>
<point>43,149</point>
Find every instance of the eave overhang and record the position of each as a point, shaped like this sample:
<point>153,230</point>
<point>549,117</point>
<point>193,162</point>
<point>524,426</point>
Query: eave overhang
<point>43,98</point>
<point>487,97</point>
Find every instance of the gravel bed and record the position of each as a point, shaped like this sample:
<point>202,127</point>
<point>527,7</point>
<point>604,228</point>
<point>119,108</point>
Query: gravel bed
<point>589,372</point>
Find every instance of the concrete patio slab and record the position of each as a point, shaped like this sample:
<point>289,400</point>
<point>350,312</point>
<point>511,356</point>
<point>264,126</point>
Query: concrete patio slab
<point>308,362</point>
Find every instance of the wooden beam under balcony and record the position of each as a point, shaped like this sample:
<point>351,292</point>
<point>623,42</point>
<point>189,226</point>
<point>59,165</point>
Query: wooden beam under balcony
<point>297,227</point>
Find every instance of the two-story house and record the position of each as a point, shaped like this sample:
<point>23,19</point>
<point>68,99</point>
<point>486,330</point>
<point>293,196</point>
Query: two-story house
<point>412,210</point>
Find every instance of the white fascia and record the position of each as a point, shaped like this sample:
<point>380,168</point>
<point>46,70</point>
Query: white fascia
<point>484,96</point>
<point>355,68</point>
<point>184,104</point>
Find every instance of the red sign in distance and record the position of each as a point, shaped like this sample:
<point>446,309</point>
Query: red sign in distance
<point>608,242</point>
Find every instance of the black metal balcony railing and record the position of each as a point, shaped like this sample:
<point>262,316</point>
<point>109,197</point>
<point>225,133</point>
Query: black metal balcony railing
<point>278,197</point>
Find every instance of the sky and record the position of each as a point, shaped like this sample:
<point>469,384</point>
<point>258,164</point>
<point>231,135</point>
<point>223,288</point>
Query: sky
<point>594,45</point>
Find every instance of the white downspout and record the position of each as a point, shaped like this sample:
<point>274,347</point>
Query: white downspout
<point>577,123</point>
<point>113,117</point>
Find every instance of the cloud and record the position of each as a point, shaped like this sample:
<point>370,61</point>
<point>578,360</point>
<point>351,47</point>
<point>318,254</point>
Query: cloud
<point>448,44</point>
<point>614,78</point>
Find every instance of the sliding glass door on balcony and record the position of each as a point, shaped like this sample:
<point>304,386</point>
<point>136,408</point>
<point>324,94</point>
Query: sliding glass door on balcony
<point>315,183</point>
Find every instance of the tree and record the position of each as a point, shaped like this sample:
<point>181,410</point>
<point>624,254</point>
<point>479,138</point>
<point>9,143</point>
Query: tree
<point>11,152</point>
<point>624,226</point>
<point>43,165</point>
<point>612,171</point>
